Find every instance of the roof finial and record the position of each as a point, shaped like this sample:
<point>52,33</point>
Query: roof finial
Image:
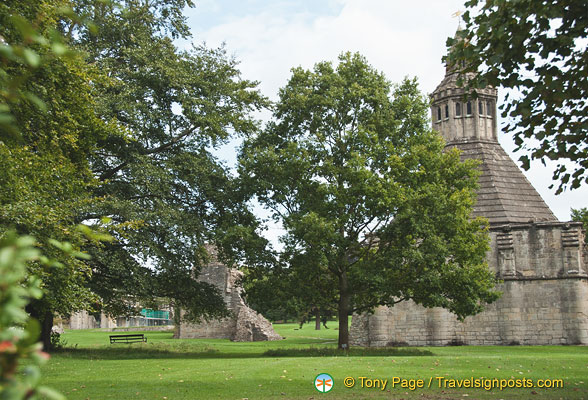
<point>457,14</point>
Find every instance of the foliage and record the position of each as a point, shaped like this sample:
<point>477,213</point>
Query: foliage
<point>16,56</point>
<point>45,173</point>
<point>19,333</point>
<point>581,215</point>
<point>367,195</point>
<point>115,134</point>
<point>45,170</point>
<point>56,341</point>
<point>164,192</point>
<point>275,290</point>
<point>539,49</point>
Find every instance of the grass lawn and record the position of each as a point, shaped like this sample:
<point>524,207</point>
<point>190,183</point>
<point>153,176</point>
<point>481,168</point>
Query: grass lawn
<point>166,368</point>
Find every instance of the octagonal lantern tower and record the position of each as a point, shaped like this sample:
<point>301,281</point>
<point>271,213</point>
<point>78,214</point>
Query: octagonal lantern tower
<point>469,123</point>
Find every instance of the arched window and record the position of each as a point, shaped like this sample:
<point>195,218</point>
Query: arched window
<point>458,109</point>
<point>469,108</point>
<point>480,107</point>
<point>438,113</point>
<point>489,108</point>
<point>446,110</point>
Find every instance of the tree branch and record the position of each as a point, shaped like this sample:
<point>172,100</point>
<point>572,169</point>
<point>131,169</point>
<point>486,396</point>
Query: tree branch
<point>372,305</point>
<point>111,172</point>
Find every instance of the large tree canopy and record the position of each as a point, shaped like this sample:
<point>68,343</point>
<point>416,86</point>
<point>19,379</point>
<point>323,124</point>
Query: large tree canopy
<point>127,132</point>
<point>45,149</point>
<point>275,289</point>
<point>541,50</point>
<point>165,193</point>
<point>363,188</point>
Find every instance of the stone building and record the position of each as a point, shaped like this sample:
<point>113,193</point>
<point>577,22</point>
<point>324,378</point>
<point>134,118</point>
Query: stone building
<point>245,324</point>
<point>84,320</point>
<point>541,261</point>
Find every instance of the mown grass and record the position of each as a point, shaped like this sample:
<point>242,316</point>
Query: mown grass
<point>167,368</point>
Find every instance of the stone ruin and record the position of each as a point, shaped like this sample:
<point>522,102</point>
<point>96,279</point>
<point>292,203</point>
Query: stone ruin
<point>542,262</point>
<point>245,324</point>
<point>84,320</point>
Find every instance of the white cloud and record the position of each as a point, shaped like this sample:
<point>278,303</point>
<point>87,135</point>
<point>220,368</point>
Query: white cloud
<point>399,38</point>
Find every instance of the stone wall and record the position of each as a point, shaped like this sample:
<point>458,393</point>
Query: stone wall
<point>244,325</point>
<point>544,297</point>
<point>84,320</point>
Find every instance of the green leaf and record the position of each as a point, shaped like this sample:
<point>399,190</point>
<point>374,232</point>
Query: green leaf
<point>49,393</point>
<point>31,375</point>
<point>31,57</point>
<point>24,26</point>
<point>81,256</point>
<point>32,330</point>
<point>525,163</point>
<point>59,48</point>
<point>40,104</point>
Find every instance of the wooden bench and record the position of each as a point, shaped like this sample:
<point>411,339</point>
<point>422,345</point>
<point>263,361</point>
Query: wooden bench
<point>128,338</point>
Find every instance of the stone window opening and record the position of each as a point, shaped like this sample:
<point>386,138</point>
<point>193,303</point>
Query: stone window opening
<point>480,107</point>
<point>438,113</point>
<point>469,108</point>
<point>458,109</point>
<point>446,111</point>
<point>489,112</point>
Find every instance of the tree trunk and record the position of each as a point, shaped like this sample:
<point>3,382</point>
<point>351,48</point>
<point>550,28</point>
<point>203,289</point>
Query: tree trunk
<point>45,318</point>
<point>46,326</point>
<point>317,316</point>
<point>343,310</point>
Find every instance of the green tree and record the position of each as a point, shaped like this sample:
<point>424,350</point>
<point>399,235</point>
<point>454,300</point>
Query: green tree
<point>539,49</point>
<point>297,287</point>
<point>166,195</point>
<point>581,215</point>
<point>362,186</point>
<point>23,49</point>
<point>45,148</point>
<point>120,128</point>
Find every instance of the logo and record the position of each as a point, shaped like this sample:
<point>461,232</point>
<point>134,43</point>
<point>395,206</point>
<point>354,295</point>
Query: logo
<point>323,383</point>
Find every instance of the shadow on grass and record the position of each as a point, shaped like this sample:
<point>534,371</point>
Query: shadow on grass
<point>353,352</point>
<point>132,353</point>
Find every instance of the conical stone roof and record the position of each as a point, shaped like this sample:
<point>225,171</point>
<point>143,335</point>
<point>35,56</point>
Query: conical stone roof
<point>505,195</point>
<point>469,123</point>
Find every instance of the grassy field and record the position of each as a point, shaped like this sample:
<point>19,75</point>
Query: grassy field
<point>166,368</point>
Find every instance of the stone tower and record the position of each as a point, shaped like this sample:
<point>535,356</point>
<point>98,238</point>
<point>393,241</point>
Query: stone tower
<point>459,117</point>
<point>470,124</point>
<point>541,261</point>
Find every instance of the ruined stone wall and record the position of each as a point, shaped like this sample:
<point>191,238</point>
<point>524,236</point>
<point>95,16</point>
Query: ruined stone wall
<point>544,299</point>
<point>218,275</point>
<point>84,320</point>
<point>244,325</point>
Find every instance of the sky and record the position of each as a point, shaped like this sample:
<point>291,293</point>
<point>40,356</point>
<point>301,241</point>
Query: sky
<point>399,38</point>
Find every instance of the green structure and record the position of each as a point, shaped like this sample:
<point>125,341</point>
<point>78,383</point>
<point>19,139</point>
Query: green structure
<point>155,317</point>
